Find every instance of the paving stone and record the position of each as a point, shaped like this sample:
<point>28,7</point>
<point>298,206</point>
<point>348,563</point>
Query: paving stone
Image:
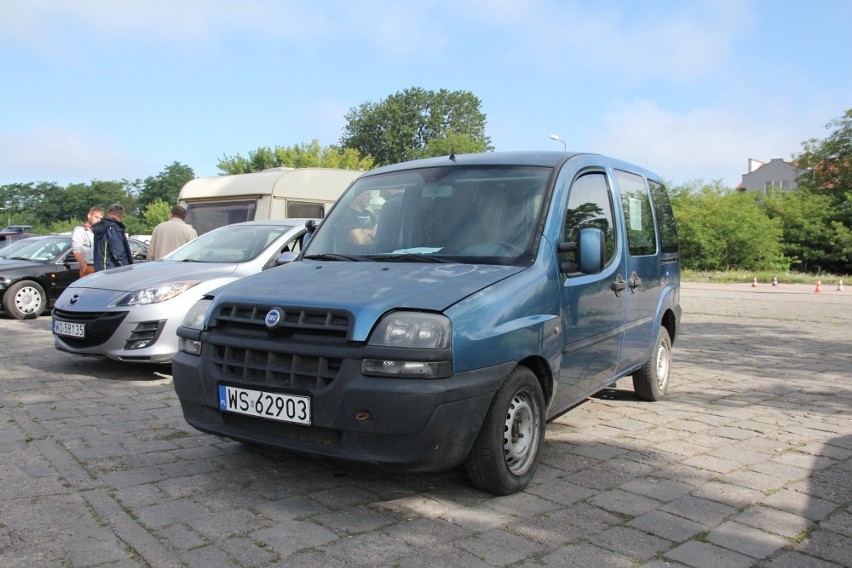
<point>702,511</point>
<point>624,503</point>
<point>667,526</point>
<point>636,544</point>
<point>703,555</point>
<point>775,521</point>
<point>800,504</point>
<point>828,545</point>
<point>746,540</point>
<point>499,547</point>
<point>791,559</point>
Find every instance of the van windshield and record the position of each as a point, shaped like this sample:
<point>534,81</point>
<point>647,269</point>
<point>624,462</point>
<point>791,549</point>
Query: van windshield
<point>471,214</point>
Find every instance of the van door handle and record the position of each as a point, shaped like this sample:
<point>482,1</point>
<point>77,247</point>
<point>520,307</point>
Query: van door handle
<point>618,285</point>
<point>634,281</point>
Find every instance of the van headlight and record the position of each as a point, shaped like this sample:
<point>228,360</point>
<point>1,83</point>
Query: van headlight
<point>410,344</point>
<point>194,320</point>
<point>156,294</point>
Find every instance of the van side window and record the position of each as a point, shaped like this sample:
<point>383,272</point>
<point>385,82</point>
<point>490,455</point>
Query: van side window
<point>589,205</point>
<point>638,219</point>
<point>665,217</point>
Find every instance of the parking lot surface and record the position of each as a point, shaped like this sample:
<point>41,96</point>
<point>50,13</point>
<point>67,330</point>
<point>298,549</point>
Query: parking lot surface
<point>748,462</point>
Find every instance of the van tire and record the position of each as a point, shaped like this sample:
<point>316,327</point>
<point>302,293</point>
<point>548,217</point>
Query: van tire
<point>651,380</point>
<point>505,454</point>
<point>24,300</point>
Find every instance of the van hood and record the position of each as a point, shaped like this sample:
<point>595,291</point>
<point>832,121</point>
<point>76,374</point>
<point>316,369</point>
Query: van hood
<point>147,274</point>
<point>366,289</point>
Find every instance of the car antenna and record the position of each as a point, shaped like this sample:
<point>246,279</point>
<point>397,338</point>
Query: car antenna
<point>452,155</point>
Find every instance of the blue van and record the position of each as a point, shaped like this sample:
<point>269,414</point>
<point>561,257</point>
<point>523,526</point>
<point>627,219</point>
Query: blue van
<point>442,313</point>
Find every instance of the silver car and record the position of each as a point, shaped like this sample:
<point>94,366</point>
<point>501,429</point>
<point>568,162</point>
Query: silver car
<point>130,313</point>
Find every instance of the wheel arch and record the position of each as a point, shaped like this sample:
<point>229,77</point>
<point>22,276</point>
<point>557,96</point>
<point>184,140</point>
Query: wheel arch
<point>538,365</point>
<point>669,321</point>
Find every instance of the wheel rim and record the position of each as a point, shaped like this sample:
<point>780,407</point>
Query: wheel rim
<point>28,300</point>
<point>663,360</point>
<point>520,433</point>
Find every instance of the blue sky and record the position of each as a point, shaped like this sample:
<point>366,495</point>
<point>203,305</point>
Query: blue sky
<point>120,89</point>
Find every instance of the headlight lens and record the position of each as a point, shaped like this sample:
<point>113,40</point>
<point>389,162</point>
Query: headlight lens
<point>156,294</point>
<point>413,330</point>
<point>411,345</point>
<point>194,318</point>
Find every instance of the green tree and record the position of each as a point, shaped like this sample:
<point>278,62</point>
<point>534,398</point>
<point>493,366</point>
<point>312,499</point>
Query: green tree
<point>165,186</point>
<point>402,126</point>
<point>817,218</point>
<point>310,155</point>
<point>721,229</point>
<point>155,213</point>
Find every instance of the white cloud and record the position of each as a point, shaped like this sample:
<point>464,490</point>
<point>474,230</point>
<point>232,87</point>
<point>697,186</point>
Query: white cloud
<point>704,143</point>
<point>60,156</point>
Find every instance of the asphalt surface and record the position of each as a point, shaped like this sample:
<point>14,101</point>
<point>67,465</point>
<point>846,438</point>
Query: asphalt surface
<point>748,462</point>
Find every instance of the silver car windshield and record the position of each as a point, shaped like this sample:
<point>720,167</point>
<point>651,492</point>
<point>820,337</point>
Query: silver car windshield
<point>474,214</point>
<point>229,244</point>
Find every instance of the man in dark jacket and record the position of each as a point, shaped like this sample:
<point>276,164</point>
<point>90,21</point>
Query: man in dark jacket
<point>111,246</point>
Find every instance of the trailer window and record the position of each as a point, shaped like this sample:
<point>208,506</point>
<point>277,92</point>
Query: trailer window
<point>208,216</point>
<point>296,209</point>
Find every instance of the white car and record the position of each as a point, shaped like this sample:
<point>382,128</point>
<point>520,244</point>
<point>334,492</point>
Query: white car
<point>131,313</point>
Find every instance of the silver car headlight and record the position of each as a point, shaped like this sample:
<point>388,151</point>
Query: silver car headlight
<point>410,344</point>
<point>156,294</point>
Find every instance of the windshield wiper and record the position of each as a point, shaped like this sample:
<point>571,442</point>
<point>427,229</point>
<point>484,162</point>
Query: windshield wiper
<point>410,257</point>
<point>329,256</point>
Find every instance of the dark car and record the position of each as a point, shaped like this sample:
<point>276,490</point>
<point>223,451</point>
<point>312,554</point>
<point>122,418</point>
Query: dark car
<point>35,271</point>
<point>14,233</point>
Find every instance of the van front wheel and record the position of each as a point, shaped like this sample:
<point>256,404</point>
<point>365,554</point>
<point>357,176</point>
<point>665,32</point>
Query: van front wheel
<point>651,380</point>
<point>505,454</point>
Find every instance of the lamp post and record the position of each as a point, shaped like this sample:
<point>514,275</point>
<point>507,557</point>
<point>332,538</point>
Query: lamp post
<point>558,139</point>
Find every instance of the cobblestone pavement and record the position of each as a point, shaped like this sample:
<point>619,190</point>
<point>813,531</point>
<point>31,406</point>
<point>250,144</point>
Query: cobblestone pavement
<point>747,463</point>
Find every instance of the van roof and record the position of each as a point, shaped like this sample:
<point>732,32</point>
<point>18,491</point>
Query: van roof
<point>544,159</point>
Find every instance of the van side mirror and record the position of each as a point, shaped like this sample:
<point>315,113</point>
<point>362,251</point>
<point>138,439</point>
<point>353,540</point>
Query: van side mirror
<point>590,250</point>
<point>285,257</point>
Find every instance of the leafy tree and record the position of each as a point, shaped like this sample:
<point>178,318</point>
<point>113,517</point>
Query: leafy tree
<point>720,229</point>
<point>401,127</point>
<point>155,213</point>
<point>817,218</point>
<point>310,155</point>
<point>165,186</point>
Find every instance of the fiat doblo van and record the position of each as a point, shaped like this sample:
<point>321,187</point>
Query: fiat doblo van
<point>442,313</point>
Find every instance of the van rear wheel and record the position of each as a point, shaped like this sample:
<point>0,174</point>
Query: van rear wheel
<point>504,456</point>
<point>651,380</point>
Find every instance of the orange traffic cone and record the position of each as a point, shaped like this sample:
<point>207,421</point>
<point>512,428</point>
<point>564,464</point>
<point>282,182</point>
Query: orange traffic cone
<point>818,287</point>
<point>775,281</point>
<point>840,285</point>
<point>754,282</point>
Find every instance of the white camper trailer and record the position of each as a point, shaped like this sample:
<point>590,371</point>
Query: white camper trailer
<point>277,193</point>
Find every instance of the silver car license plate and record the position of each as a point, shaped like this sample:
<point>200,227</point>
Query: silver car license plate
<point>69,329</point>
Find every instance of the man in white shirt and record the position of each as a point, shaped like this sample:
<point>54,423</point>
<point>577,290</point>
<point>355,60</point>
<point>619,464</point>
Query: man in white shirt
<point>83,241</point>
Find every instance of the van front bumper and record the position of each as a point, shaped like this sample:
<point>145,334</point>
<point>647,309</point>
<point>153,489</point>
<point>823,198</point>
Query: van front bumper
<point>398,424</point>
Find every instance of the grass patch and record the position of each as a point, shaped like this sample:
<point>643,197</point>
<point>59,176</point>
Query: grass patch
<point>763,276</point>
